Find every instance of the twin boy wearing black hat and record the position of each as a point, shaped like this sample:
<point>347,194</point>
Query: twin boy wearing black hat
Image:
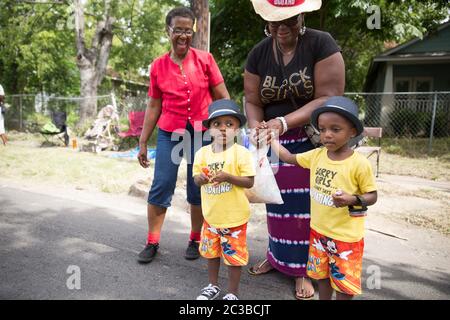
<point>223,170</point>
<point>341,178</point>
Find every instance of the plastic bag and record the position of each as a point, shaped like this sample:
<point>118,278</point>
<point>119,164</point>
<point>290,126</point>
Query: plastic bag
<point>265,188</point>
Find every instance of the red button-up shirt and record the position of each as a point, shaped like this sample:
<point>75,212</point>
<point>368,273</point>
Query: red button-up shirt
<point>185,97</point>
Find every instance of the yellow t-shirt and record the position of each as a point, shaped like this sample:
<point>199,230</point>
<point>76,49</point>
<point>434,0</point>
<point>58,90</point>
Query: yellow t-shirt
<point>225,205</point>
<point>352,175</point>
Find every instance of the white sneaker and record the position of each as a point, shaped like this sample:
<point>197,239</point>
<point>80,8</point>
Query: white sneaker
<point>209,293</point>
<point>230,296</point>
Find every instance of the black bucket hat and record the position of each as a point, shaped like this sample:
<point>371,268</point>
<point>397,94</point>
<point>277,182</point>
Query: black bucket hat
<point>224,107</point>
<point>343,106</point>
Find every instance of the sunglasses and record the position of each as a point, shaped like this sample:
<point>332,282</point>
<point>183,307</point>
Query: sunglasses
<point>291,22</point>
<point>179,32</point>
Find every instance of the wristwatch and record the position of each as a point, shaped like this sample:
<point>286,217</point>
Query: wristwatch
<point>360,209</point>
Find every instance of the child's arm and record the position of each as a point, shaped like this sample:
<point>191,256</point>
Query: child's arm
<point>243,182</point>
<point>343,199</point>
<point>283,153</point>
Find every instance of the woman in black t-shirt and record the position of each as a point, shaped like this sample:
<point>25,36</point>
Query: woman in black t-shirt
<point>283,100</point>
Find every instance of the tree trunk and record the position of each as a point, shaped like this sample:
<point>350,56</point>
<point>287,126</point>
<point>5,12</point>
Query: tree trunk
<point>92,62</point>
<point>88,91</point>
<point>201,12</point>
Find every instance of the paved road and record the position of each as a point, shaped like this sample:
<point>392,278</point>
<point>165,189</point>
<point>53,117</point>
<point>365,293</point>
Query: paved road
<point>43,235</point>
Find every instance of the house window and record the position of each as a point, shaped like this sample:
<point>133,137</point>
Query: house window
<point>424,102</point>
<point>413,84</point>
<point>423,84</point>
<point>416,101</point>
<point>402,85</point>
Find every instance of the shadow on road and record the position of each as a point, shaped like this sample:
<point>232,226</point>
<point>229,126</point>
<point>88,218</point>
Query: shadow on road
<point>42,236</point>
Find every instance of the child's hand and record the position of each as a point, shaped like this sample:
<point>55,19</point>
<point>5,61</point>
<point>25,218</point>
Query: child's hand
<point>220,177</point>
<point>342,199</point>
<point>202,179</point>
<point>205,179</point>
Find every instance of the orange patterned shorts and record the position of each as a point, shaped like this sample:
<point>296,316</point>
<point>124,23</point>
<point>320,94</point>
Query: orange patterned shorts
<point>228,243</point>
<point>339,261</point>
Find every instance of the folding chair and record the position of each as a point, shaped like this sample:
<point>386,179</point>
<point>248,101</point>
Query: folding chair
<point>372,132</point>
<point>136,120</point>
<point>59,129</point>
<point>100,134</point>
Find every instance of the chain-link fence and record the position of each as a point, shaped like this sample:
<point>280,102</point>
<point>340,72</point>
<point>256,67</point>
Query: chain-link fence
<point>26,111</point>
<point>410,115</point>
<point>131,103</point>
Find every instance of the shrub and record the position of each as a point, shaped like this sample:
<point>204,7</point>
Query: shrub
<point>441,125</point>
<point>409,123</point>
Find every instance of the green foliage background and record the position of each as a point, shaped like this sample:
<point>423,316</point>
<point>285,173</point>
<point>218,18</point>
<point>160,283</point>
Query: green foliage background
<point>37,41</point>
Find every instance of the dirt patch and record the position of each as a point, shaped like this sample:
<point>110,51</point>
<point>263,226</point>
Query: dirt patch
<point>416,201</point>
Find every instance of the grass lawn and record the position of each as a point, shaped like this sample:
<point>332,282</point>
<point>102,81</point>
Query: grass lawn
<point>433,168</point>
<point>25,159</point>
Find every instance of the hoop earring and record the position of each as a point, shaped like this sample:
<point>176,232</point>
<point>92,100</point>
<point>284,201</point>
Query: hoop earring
<point>266,31</point>
<point>303,26</point>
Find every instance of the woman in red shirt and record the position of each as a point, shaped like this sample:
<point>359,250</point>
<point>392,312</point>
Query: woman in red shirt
<point>183,82</point>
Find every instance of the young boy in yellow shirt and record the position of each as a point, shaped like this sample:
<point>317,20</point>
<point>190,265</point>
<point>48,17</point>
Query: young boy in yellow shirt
<point>342,186</point>
<point>223,170</point>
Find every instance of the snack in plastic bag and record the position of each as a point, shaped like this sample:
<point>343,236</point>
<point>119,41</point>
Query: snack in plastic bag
<point>265,188</point>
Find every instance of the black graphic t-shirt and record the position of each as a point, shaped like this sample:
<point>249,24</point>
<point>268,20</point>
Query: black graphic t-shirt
<point>312,47</point>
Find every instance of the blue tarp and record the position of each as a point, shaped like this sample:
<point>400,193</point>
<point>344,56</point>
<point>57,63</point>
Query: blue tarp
<point>151,154</point>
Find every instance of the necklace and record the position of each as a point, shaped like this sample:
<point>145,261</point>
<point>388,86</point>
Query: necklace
<point>286,53</point>
<point>176,59</point>
<point>179,62</point>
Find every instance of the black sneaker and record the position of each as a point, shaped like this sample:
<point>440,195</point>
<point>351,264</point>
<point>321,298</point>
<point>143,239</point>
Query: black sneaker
<point>192,251</point>
<point>148,253</point>
<point>209,293</point>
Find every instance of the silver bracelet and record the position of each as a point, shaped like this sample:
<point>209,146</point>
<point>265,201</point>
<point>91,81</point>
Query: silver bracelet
<point>284,123</point>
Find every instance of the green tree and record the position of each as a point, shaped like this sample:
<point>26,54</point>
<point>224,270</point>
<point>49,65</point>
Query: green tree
<point>400,21</point>
<point>34,55</point>
<point>132,20</point>
<point>39,51</point>
<point>235,29</point>
<point>139,37</point>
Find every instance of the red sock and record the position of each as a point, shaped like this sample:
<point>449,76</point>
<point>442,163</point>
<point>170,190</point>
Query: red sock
<point>195,236</point>
<point>153,237</point>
